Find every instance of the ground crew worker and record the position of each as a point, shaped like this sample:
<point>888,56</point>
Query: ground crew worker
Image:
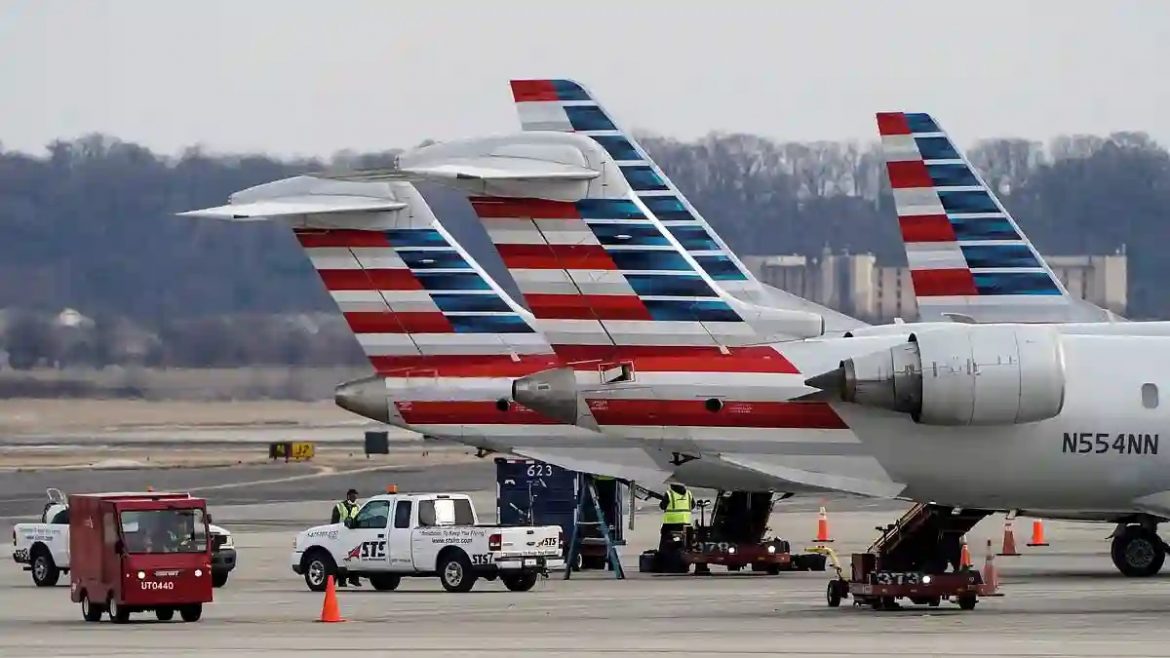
<point>676,508</point>
<point>342,512</point>
<point>346,509</point>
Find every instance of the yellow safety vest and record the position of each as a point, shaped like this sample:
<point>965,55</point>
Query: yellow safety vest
<point>343,512</point>
<point>678,508</point>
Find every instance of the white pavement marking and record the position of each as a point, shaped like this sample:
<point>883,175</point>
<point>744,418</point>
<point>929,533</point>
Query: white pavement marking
<point>322,472</point>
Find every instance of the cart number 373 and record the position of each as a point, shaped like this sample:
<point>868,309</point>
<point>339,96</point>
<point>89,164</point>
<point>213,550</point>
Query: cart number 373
<point>897,578</point>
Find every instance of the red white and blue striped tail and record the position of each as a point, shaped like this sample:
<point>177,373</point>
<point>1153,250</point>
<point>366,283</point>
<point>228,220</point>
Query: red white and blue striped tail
<point>415,300</point>
<point>968,258</point>
<point>568,106</point>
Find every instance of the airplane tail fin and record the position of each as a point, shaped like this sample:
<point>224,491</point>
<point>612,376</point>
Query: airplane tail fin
<point>968,258</point>
<point>567,106</point>
<point>415,300</point>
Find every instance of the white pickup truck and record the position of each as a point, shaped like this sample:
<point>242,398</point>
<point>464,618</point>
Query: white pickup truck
<point>44,547</point>
<point>398,535</point>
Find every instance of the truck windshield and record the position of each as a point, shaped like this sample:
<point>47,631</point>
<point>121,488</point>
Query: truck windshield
<point>164,531</point>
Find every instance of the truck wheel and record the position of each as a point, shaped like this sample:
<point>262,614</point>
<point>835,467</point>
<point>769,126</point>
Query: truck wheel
<point>44,571</point>
<point>219,578</point>
<point>385,582</point>
<point>833,594</point>
<point>967,602</point>
<point>1138,552</point>
<point>89,610</point>
<point>317,567</point>
<point>191,612</point>
<point>119,614</point>
<point>521,582</point>
<point>164,614</point>
<point>455,572</point>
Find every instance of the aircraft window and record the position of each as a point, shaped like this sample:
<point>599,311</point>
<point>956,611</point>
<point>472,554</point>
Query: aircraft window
<point>1150,396</point>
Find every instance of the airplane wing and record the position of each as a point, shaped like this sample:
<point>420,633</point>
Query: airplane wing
<point>819,481</point>
<point>613,463</point>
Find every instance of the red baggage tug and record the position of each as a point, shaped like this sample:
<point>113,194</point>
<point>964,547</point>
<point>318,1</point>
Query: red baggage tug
<point>133,552</point>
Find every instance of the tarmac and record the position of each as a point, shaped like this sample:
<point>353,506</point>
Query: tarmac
<point>1062,600</point>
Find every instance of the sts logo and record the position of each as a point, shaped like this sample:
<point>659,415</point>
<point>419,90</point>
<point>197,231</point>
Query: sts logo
<point>367,550</point>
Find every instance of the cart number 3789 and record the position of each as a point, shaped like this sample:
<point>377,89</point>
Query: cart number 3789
<point>897,578</point>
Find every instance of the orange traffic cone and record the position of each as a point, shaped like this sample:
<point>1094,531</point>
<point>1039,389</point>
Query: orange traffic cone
<point>990,575</point>
<point>965,556</point>
<point>823,527</point>
<point>330,611</point>
<point>1009,539</point>
<point>1037,533</point>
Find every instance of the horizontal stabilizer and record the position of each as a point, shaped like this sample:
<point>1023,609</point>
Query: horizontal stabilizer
<point>819,481</point>
<point>498,168</point>
<point>294,206</point>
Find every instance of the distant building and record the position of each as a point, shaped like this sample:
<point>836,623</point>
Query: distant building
<point>857,285</point>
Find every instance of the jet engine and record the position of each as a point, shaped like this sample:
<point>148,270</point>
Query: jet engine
<point>961,374</point>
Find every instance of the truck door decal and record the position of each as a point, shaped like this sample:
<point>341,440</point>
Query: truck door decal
<point>368,550</point>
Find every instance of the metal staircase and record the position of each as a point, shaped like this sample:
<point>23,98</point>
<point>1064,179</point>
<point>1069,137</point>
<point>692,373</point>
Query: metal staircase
<point>927,538</point>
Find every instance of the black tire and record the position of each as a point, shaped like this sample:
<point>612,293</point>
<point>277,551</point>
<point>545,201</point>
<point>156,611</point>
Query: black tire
<point>191,612</point>
<point>521,582</point>
<point>318,565</point>
<point>44,571</point>
<point>219,578</point>
<point>773,570</point>
<point>833,594</point>
<point>164,614</point>
<point>967,602</point>
<point>385,582</point>
<point>1138,552</point>
<point>455,572</point>
<point>89,610</point>
<point>118,614</point>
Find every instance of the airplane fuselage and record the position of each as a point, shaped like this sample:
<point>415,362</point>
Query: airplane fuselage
<point>1102,456</point>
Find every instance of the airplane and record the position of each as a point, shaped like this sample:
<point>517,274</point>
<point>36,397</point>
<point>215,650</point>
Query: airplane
<point>445,341</point>
<point>481,172</point>
<point>559,260</point>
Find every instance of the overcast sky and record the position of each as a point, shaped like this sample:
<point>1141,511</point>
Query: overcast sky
<point>314,77</point>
